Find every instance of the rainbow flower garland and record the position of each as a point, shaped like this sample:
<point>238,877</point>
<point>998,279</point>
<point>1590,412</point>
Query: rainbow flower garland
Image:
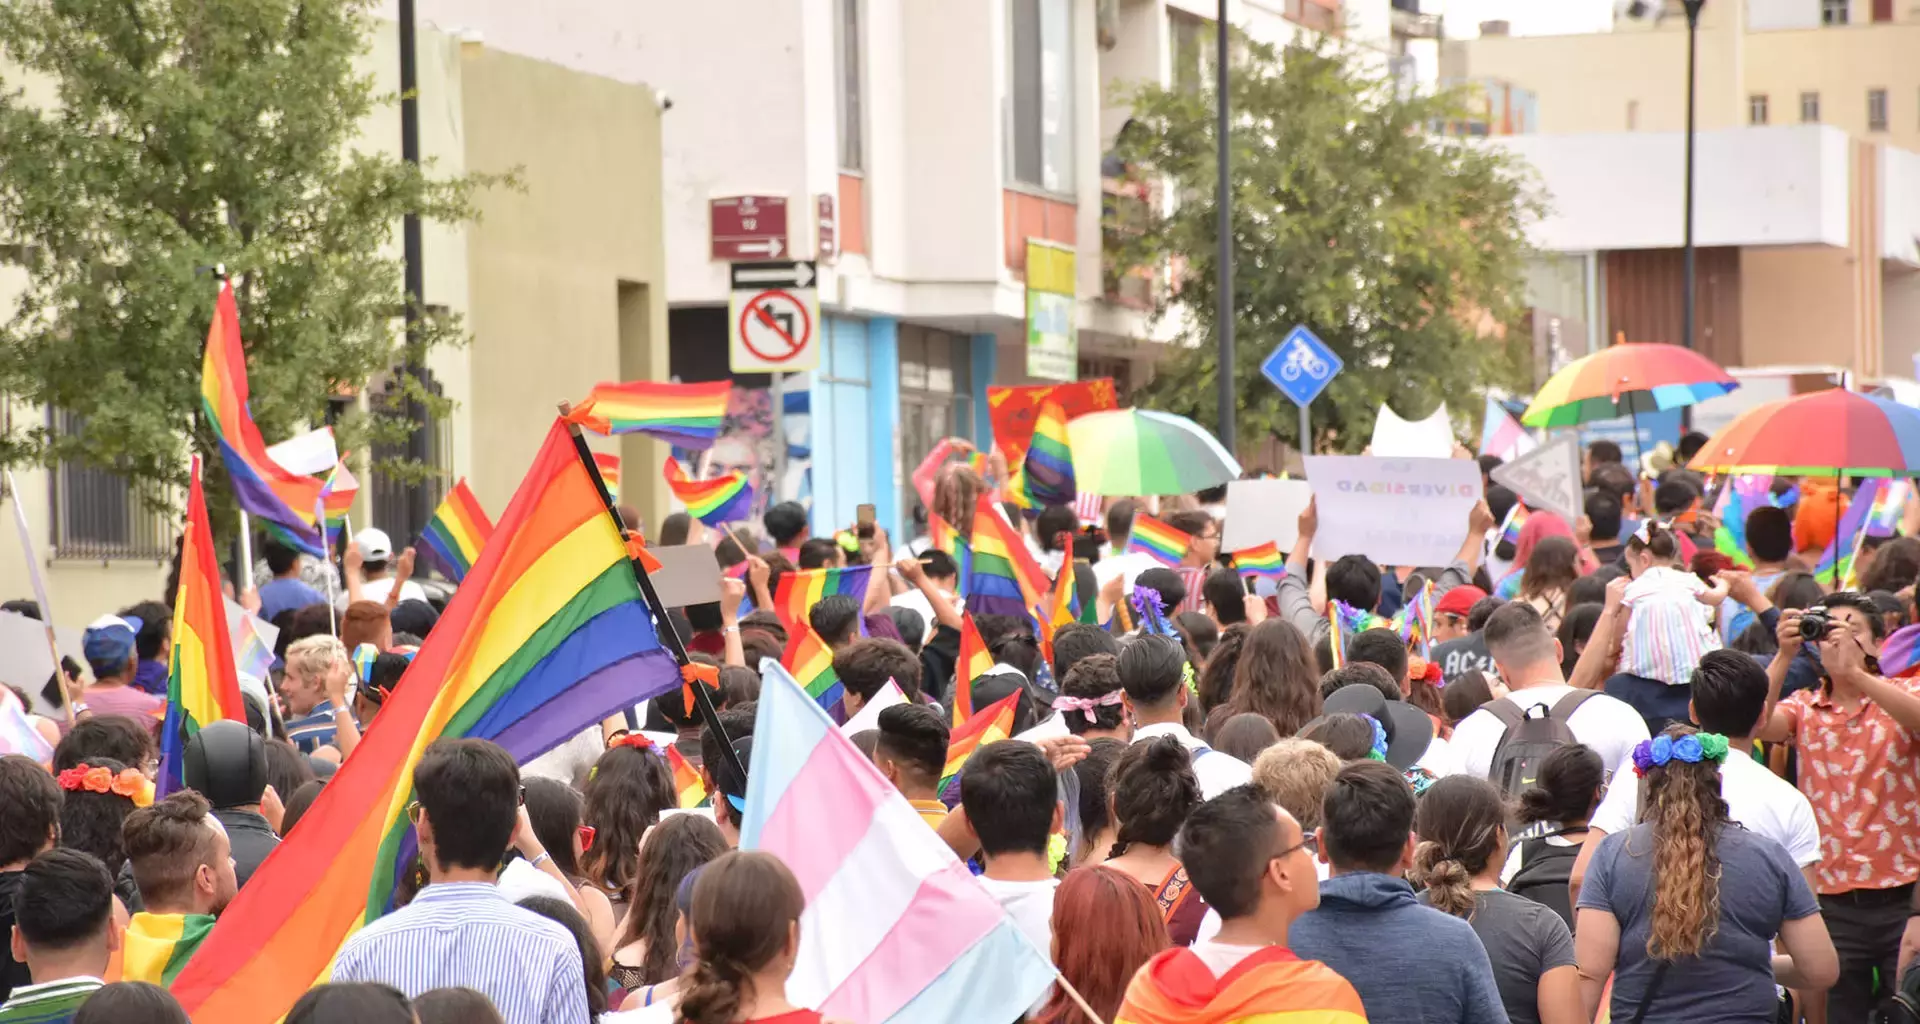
<point>1692,748</point>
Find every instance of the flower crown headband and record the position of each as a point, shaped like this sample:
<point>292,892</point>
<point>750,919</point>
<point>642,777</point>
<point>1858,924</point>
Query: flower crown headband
<point>1379,751</point>
<point>130,782</point>
<point>1692,748</point>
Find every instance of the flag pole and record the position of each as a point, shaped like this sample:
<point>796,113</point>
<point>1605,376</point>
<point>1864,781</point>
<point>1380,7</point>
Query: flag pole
<point>1074,994</point>
<point>326,561</point>
<point>668,632</point>
<point>243,580</point>
<point>39,594</point>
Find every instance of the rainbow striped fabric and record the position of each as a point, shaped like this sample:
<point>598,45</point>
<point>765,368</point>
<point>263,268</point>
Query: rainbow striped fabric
<point>202,683</point>
<point>941,536</point>
<point>156,947</point>
<point>1049,462</point>
<point>991,723</point>
<point>1835,568</point>
<point>687,786</point>
<point>1345,622</point>
<point>1157,540</point>
<point>896,928</point>
<point>1273,986</point>
<point>973,662</point>
<point>1416,620</point>
<point>1510,528</point>
<point>456,533</point>
<point>548,635</point>
<point>1062,609</point>
<point>287,501</point>
<point>609,467</point>
<point>798,591</point>
<point>723,499</point>
<point>1004,579</point>
<point>1900,655</point>
<point>1264,560</point>
<point>810,661</point>
<point>683,415</point>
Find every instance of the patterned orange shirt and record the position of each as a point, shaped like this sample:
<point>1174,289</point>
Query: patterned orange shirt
<point>1861,771</point>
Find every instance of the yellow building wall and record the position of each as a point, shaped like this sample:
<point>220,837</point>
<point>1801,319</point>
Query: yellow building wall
<point>567,272</point>
<point>1842,64</point>
<point>1796,305</point>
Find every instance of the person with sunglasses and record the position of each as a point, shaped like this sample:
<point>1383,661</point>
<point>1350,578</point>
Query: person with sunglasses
<point>1251,862</point>
<point>554,810</point>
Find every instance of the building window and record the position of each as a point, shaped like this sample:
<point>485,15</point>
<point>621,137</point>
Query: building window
<point>936,396</point>
<point>99,514</point>
<point>1041,125</point>
<point>1190,44</point>
<point>1809,108</point>
<point>1834,12</point>
<point>1876,110</point>
<point>849,58</point>
<point>1757,108</point>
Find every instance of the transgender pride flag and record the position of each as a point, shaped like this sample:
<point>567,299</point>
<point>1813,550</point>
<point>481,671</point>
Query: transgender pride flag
<point>896,929</point>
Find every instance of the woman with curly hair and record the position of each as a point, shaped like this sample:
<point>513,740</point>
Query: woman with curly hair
<point>746,935</point>
<point>646,952</point>
<point>1683,908</point>
<point>99,794</point>
<point>626,791</point>
<point>1277,677</point>
<point>1152,790</point>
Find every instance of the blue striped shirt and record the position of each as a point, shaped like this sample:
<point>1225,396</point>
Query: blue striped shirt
<point>313,730</point>
<point>466,933</point>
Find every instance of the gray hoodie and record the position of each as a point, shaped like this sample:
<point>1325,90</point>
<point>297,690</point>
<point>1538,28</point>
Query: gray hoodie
<point>1410,963</point>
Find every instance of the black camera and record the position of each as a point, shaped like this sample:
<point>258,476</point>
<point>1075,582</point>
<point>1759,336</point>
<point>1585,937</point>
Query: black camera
<point>1815,623</point>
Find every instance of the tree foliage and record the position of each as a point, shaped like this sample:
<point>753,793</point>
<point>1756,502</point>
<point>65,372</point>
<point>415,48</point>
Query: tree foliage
<point>146,142</point>
<point>1400,248</point>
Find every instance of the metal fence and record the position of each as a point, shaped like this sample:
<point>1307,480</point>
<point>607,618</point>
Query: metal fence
<point>99,515</point>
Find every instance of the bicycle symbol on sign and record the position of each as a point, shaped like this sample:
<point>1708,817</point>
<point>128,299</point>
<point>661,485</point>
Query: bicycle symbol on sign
<point>1302,359</point>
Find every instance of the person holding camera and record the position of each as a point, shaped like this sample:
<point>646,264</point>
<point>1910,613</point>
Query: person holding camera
<point>1858,737</point>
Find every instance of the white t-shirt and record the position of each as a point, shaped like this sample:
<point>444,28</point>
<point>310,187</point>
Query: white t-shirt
<point>1217,771</point>
<point>1765,803</point>
<point>377,590</point>
<point>1610,726</point>
<point>1439,759</point>
<point>1030,904</point>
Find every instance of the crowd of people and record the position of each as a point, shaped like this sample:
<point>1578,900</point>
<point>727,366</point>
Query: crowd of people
<point>1620,770</point>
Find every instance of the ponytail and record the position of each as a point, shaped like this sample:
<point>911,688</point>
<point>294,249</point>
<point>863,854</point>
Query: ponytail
<point>1657,538</point>
<point>1459,821</point>
<point>745,906</point>
<point>1687,812</point>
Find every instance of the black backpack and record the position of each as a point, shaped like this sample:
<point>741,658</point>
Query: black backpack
<point>1531,735</point>
<point>1545,873</point>
<point>1903,1007</point>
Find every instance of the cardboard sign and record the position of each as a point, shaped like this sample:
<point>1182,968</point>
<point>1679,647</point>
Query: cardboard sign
<point>689,574</point>
<point>1394,511</point>
<point>1547,478</point>
<point>1259,511</point>
<point>25,661</point>
<point>1396,438</point>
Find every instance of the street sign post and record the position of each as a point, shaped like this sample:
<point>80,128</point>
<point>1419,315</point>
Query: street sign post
<point>773,322</point>
<point>748,227</point>
<point>1302,366</point>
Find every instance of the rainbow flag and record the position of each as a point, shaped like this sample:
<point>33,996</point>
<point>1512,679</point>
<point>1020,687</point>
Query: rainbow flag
<point>456,533</point>
<point>1344,623</point>
<point>991,723</point>
<point>980,463</point>
<point>1049,461</point>
<point>941,536</point>
<point>285,501</point>
<point>609,467</point>
<point>973,662</point>
<point>723,499</point>
<point>686,779</point>
<point>896,928</point>
<point>547,635</point>
<point>202,683</point>
<point>1835,568</point>
<point>1269,987</point>
<point>798,591</point>
<point>1157,540</point>
<point>811,661</point>
<point>1265,560</point>
<point>1063,609</point>
<point>1510,527</point>
<point>683,415</point>
<point>1003,579</point>
<point>1416,620</point>
<point>155,948</point>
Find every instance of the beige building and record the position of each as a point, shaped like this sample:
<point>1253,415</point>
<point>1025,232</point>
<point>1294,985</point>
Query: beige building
<point>1807,197</point>
<point>561,282</point>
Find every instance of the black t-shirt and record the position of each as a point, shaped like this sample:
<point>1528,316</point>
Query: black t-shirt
<point>13,973</point>
<point>1459,657</point>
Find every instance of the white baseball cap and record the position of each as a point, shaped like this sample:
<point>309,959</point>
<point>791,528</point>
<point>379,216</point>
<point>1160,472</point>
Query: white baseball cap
<point>374,544</point>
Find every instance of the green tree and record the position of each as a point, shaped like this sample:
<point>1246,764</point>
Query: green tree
<point>1402,249</point>
<point>145,142</point>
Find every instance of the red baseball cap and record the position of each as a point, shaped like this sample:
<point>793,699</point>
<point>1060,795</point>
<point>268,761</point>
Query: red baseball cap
<point>1459,601</point>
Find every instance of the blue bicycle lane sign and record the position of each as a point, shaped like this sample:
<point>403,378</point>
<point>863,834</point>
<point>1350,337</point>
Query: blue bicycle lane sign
<point>1302,366</point>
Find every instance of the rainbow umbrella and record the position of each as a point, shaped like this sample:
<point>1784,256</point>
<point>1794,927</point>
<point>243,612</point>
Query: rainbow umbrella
<point>1139,451</point>
<point>1625,380</point>
<point>1825,432</point>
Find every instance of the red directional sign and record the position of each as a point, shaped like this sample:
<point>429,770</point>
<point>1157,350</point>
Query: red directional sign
<point>748,227</point>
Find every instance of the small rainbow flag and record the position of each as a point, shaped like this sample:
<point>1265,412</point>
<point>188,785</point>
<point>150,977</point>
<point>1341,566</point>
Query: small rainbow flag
<point>1157,540</point>
<point>1004,579</point>
<point>973,662</point>
<point>1416,620</point>
<point>993,722</point>
<point>1835,568</point>
<point>609,467</point>
<point>1049,462</point>
<point>798,591</point>
<point>811,661</point>
<point>1346,622</point>
<point>1510,528</point>
<point>941,536</point>
<point>336,498</point>
<point>1063,609</point>
<point>979,462</point>
<point>723,499</point>
<point>686,779</point>
<point>456,533</point>
<point>1264,560</point>
<point>683,415</point>
<point>203,685</point>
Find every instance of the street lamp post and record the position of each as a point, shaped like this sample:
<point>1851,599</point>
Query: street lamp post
<point>1223,198</point>
<point>1693,48</point>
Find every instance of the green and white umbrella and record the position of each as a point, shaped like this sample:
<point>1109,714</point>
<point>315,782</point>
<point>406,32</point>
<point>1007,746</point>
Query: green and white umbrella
<point>1139,451</point>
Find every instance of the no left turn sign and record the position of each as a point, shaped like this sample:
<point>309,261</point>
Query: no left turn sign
<point>774,318</point>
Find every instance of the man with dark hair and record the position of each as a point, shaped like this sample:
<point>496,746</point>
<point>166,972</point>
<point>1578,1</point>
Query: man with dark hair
<point>1690,444</point>
<point>63,930</point>
<point>1205,533</point>
<point>836,617</point>
<point>1078,640</point>
<point>1253,864</point>
<point>1604,512</point>
<point>1411,964</point>
<point>1770,544</point>
<point>866,666</point>
<point>1120,525</point>
<point>1600,453</point>
<point>1360,673</point>
<point>1008,793</point>
<point>911,752</point>
<point>819,553</point>
<point>286,591</point>
<point>1153,671</point>
<point>1382,647</point>
<point>728,786</point>
<point>1165,582</point>
<point>29,826</point>
<point>786,523</point>
<point>459,931</point>
<point>1089,705</point>
<point>1225,593</point>
<point>1355,580</point>
<point>183,863</point>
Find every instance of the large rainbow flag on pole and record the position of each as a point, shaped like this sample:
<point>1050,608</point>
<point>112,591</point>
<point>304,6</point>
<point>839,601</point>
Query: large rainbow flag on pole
<point>683,415</point>
<point>202,684</point>
<point>285,500</point>
<point>547,635</point>
<point>456,533</point>
<point>1003,578</point>
<point>896,929</point>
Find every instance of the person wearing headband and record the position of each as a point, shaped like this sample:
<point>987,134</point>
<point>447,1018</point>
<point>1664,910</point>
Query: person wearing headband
<point>1091,702</point>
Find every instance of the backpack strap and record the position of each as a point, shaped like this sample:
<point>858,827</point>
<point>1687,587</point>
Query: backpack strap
<point>1505,710</point>
<point>1564,708</point>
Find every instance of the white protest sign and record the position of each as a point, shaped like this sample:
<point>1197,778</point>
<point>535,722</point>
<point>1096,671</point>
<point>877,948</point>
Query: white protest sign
<point>869,715</point>
<point>308,454</point>
<point>1259,511</point>
<point>1394,511</point>
<point>1547,478</point>
<point>1396,438</point>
